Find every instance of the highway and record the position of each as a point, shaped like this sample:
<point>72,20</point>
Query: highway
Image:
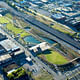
<point>53,32</point>
<point>45,28</point>
<point>30,19</point>
<point>28,53</point>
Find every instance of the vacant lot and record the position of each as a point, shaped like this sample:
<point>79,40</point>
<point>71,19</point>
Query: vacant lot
<point>53,57</point>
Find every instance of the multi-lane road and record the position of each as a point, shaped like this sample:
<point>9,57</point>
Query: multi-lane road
<point>60,37</point>
<point>28,53</point>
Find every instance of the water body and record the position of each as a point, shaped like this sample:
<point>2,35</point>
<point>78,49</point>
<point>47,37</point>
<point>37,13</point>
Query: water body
<point>34,41</point>
<point>31,39</point>
<point>48,40</point>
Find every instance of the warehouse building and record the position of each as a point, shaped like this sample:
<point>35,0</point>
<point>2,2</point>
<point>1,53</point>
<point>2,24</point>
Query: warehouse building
<point>58,16</point>
<point>5,58</point>
<point>9,45</point>
<point>2,50</point>
<point>2,37</point>
<point>40,47</point>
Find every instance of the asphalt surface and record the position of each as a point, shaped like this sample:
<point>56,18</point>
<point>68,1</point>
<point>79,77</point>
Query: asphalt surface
<point>54,32</point>
<point>44,27</point>
<point>28,53</point>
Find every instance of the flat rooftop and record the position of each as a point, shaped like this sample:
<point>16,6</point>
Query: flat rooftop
<point>2,37</point>
<point>4,57</point>
<point>2,50</point>
<point>10,67</point>
<point>43,46</point>
<point>8,44</point>
<point>58,16</point>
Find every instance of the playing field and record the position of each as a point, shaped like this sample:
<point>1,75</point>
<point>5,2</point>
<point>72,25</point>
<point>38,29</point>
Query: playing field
<point>53,57</point>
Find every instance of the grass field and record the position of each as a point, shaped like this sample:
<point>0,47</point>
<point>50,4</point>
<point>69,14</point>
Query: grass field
<point>3,20</point>
<point>16,30</point>
<point>63,29</point>
<point>53,57</point>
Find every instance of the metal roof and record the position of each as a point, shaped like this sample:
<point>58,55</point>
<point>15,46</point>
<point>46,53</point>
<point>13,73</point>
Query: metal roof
<point>8,44</point>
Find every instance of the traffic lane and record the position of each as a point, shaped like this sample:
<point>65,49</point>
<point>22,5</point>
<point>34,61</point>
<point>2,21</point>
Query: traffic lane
<point>53,32</point>
<point>44,27</point>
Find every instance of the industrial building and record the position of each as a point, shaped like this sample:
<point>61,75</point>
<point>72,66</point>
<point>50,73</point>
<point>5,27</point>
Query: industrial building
<point>9,45</point>
<point>2,50</point>
<point>5,58</point>
<point>40,47</point>
<point>2,37</point>
<point>58,16</point>
<point>10,67</point>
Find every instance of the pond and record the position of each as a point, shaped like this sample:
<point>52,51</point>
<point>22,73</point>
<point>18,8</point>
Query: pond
<point>31,39</point>
<point>34,41</point>
<point>48,40</point>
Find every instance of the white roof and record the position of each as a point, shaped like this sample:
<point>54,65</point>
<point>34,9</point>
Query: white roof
<point>0,15</point>
<point>43,46</point>
<point>4,57</point>
<point>8,44</point>
<point>11,71</point>
<point>28,59</point>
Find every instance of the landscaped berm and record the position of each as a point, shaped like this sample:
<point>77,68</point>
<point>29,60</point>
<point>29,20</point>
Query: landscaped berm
<point>53,56</point>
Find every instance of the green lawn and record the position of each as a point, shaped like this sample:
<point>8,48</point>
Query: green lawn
<point>63,29</point>
<point>16,30</point>
<point>3,20</point>
<point>54,57</point>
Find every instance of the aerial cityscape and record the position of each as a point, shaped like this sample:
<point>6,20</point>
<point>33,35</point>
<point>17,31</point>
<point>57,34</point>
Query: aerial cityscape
<point>39,39</point>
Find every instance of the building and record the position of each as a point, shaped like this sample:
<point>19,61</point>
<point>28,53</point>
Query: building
<point>0,15</point>
<point>10,67</point>
<point>40,47</point>
<point>2,37</point>
<point>58,17</point>
<point>3,11</point>
<point>9,45</point>
<point>2,50</point>
<point>29,59</point>
<point>73,22</point>
<point>5,58</point>
<point>14,72</point>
